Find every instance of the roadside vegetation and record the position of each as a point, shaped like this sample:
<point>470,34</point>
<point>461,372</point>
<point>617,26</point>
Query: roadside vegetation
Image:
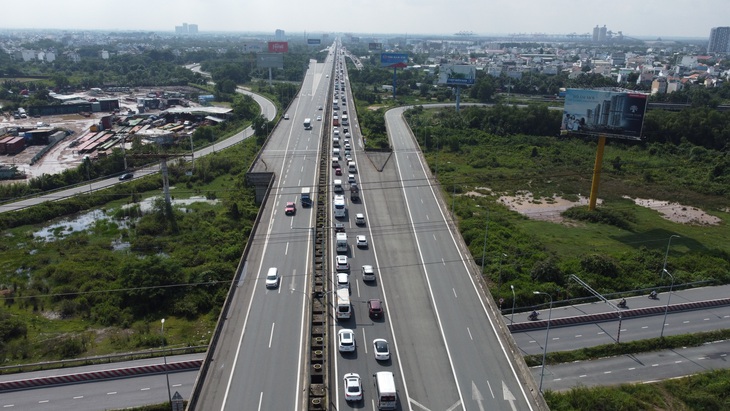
<point>708,391</point>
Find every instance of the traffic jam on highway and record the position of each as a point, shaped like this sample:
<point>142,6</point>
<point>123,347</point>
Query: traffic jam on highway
<point>345,184</point>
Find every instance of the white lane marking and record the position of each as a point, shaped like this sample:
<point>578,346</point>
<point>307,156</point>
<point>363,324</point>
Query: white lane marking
<point>286,249</point>
<point>78,397</point>
<point>632,368</point>
<point>655,365</point>
<point>261,399</point>
<point>582,376</point>
<point>144,389</point>
<point>43,401</point>
<point>644,327</point>
<point>607,372</point>
<point>13,405</point>
<point>176,385</point>
<point>443,262</point>
<point>556,338</point>
<point>685,322</point>
<point>271,336</point>
<point>427,217</point>
<point>706,319</point>
<point>434,237</point>
<point>579,335</point>
<point>601,333</point>
<point>454,290</point>
<point>111,393</point>
<point>364,341</point>
<point>469,331</point>
<point>678,362</point>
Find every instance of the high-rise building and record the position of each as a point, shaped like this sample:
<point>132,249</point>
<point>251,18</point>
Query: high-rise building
<point>186,29</point>
<point>719,40</point>
<point>279,35</point>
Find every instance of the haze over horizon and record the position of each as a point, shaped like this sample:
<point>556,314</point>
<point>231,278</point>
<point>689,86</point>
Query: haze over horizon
<point>651,18</point>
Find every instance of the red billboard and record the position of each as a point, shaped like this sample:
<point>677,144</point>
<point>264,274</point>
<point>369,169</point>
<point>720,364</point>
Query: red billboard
<point>278,47</point>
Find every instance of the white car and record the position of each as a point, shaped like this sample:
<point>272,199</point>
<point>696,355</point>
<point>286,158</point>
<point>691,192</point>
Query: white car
<point>343,281</point>
<point>381,350</point>
<point>360,219</point>
<point>348,146</point>
<point>272,278</point>
<point>362,241</point>
<point>351,178</point>
<point>342,264</point>
<point>319,118</point>
<point>353,387</point>
<point>346,340</point>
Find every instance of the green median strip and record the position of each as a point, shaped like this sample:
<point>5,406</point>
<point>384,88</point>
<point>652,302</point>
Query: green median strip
<point>632,347</point>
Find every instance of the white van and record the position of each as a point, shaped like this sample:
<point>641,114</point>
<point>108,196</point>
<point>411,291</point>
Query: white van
<point>335,142</point>
<point>386,397</point>
<point>335,162</point>
<point>338,186</point>
<point>351,167</point>
<point>336,152</point>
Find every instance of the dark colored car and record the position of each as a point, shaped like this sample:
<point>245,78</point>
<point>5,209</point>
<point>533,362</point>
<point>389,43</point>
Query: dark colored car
<point>375,308</point>
<point>126,176</point>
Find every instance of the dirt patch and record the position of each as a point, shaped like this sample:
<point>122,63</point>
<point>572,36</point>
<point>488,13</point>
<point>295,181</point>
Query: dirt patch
<point>543,209</point>
<point>678,213</point>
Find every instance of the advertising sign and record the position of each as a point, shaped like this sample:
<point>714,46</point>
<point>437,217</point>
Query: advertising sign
<point>278,47</point>
<point>457,75</point>
<point>270,60</point>
<point>608,113</point>
<point>375,46</point>
<point>399,60</point>
<point>314,41</point>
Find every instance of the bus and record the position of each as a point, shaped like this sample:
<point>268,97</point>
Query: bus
<point>307,123</point>
<point>385,395</point>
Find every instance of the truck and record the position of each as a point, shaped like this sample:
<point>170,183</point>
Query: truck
<point>307,123</point>
<point>306,196</point>
<point>341,243</point>
<point>335,121</point>
<point>345,121</point>
<point>344,309</point>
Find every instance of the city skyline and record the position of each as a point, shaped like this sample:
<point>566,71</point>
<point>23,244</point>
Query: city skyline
<point>651,18</point>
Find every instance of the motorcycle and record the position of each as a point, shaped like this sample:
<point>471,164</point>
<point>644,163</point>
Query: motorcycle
<point>533,316</point>
<point>621,304</point>
<point>653,296</point>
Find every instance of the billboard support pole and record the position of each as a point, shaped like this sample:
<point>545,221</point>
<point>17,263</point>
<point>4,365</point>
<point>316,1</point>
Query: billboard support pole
<point>597,172</point>
<point>270,77</point>
<point>458,98</point>
<point>394,79</point>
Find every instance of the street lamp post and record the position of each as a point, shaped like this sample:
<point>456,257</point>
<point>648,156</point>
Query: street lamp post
<point>666,254</point>
<point>512,317</point>
<point>499,286</point>
<point>164,357</point>
<point>666,308</point>
<point>547,333</point>
<point>484,250</point>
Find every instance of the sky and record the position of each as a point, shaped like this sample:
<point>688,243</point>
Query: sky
<point>635,18</point>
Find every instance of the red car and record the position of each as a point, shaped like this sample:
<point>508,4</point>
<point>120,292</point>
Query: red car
<point>338,171</point>
<point>291,208</point>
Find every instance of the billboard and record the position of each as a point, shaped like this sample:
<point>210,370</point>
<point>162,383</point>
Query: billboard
<point>600,112</point>
<point>457,75</point>
<point>398,60</point>
<point>314,41</point>
<point>278,47</point>
<point>375,46</point>
<point>270,60</point>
